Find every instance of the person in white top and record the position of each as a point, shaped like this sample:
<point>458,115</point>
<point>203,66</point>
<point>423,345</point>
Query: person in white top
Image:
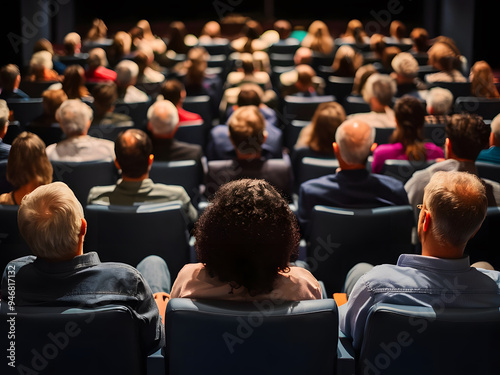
<point>75,117</point>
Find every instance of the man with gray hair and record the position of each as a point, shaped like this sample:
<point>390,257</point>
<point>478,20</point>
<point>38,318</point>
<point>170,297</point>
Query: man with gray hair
<point>378,92</point>
<point>492,154</point>
<point>352,186</point>
<point>52,222</point>
<point>163,121</point>
<point>126,77</point>
<point>75,117</point>
<point>452,211</point>
<point>4,126</point>
<point>439,102</point>
<point>405,73</point>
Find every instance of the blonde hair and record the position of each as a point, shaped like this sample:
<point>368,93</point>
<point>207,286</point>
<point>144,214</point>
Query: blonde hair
<point>50,221</point>
<point>458,204</point>
<point>246,129</point>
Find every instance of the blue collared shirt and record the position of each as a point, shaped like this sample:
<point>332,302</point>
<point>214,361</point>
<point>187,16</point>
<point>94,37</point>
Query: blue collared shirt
<point>419,280</point>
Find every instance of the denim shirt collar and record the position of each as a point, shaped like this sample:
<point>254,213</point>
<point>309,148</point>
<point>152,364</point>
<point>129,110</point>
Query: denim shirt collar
<point>82,261</point>
<point>433,263</point>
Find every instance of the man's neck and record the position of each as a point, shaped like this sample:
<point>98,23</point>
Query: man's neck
<point>132,179</point>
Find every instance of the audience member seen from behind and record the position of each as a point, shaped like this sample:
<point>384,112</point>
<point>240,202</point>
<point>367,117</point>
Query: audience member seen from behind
<point>211,34</point>
<point>319,135</point>
<point>245,241</point>
<point>120,48</point>
<point>97,33</point>
<point>467,135</point>
<point>173,90</point>
<point>452,211</point>
<point>299,82</point>
<point>355,34</point>
<point>41,68</point>
<point>407,140</point>
<point>52,222</point>
<point>144,58</point>
<point>154,42</point>
<point>105,95</point>
<point>360,78</point>
<point>346,61</point>
<point>126,77</point>
<point>482,81</point>
<point>250,40</point>
<point>420,39</point>
<point>439,104</point>
<point>445,57</point>
<point>75,117</point>
<point>4,126</point>
<point>318,38</point>
<point>379,93</point>
<point>134,158</point>
<point>405,73</point>
<point>492,154</point>
<point>352,186</point>
<point>97,70</point>
<point>27,167</point>
<point>73,83</point>
<point>10,79</point>
<point>163,121</point>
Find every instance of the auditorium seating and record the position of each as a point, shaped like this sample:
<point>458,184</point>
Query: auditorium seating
<point>401,339</point>
<point>25,110</point>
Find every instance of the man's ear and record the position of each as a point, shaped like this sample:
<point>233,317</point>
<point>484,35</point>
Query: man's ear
<point>374,146</point>
<point>427,221</point>
<point>83,228</point>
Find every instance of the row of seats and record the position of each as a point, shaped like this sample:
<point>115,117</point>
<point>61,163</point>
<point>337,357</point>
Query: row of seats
<point>221,337</point>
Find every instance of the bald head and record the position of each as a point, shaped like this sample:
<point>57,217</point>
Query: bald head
<point>354,139</point>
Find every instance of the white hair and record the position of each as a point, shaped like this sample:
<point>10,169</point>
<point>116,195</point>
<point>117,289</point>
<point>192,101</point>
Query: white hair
<point>126,72</point>
<point>97,57</point>
<point>41,59</point>
<point>440,100</point>
<point>50,220</point>
<point>163,117</point>
<point>74,116</point>
<point>495,126</point>
<point>4,114</point>
<point>379,86</point>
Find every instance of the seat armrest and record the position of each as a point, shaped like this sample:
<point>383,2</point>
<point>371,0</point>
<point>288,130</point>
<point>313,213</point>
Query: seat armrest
<point>156,363</point>
<point>346,364</point>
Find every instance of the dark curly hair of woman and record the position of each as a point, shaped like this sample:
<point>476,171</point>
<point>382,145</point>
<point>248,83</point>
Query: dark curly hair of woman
<point>247,235</point>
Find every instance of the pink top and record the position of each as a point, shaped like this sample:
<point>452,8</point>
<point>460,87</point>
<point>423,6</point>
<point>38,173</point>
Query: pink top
<point>193,281</point>
<point>396,151</point>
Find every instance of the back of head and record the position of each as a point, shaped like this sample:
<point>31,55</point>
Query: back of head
<point>72,43</point>
<point>105,95</point>
<point>74,81</point>
<point>250,94</point>
<point>126,73</point>
<point>247,235</point>
<point>458,203</point>
<point>439,101</point>
<point>347,61</point>
<point>377,43</point>
<point>246,129</point>
<point>43,45</point>
<point>52,100</point>
<point>41,60</point>
<point>97,57</point>
<point>420,38</point>
<point>247,62</point>
<point>172,90</point>
<point>163,118</point>
<point>482,80</point>
<point>468,135</point>
<point>132,149</point>
<point>325,122</point>
<point>410,118</point>
<point>28,162</point>
<point>397,29</point>
<point>211,29</point>
<point>283,27</point>
<point>405,65</point>
<point>98,30</point>
<point>355,139</point>
<point>74,117</point>
<point>303,55</point>
<point>305,74</point>
<point>50,220</point>
<point>8,76</point>
<point>4,114</point>
<point>495,127</point>
<point>381,87</point>
<point>444,55</point>
<point>361,77</point>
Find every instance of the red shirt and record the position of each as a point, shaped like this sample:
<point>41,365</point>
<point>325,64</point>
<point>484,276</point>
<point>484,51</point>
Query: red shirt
<point>100,74</point>
<point>185,116</point>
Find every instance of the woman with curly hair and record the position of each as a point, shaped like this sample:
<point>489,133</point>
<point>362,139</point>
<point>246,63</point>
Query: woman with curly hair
<point>407,142</point>
<point>245,241</point>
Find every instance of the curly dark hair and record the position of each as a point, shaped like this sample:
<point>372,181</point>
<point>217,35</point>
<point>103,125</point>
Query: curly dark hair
<point>468,135</point>
<point>247,235</point>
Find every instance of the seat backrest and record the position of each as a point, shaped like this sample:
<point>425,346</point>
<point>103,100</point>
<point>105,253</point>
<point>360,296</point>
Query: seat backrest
<point>303,108</point>
<point>292,131</point>
<point>411,340</point>
<point>382,135</point>
<point>64,340</point>
<point>12,244</point>
<point>490,171</point>
<point>109,131</point>
<point>201,105</point>
<point>435,133</point>
<point>456,88</point>
<point>128,234</point>
<point>484,246</point>
<point>82,176</point>
<point>48,134</point>
<point>403,169</point>
<point>185,173</point>
<point>35,88</point>
<point>251,338</point>
<point>5,186</point>
<point>192,132</point>
<point>25,110</point>
<point>137,111</point>
<point>488,108</point>
<point>341,238</point>
<point>340,87</point>
<point>309,168</point>
<point>354,104</point>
